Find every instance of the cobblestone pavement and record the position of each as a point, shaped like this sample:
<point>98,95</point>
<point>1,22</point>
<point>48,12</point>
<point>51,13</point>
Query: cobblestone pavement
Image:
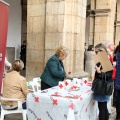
<point>19,116</point>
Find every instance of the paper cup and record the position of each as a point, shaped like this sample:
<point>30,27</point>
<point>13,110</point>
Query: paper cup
<point>61,85</point>
<point>84,81</point>
<point>76,82</point>
<point>67,84</point>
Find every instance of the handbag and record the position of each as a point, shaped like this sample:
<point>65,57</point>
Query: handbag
<point>103,86</point>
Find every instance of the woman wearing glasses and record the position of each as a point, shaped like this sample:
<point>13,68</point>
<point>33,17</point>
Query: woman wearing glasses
<point>54,69</point>
<point>102,99</point>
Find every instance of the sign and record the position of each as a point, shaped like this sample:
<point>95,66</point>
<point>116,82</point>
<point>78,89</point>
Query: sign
<point>102,57</point>
<point>3,36</point>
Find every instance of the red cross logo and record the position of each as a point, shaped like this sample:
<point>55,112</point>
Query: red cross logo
<point>61,86</point>
<point>39,119</point>
<point>54,102</point>
<point>66,83</point>
<point>85,81</point>
<point>71,106</point>
<point>36,99</point>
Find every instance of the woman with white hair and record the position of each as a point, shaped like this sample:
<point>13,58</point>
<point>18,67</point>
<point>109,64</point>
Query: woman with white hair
<point>54,69</point>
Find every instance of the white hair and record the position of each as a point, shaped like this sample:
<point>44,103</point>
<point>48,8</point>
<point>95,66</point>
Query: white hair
<point>108,43</point>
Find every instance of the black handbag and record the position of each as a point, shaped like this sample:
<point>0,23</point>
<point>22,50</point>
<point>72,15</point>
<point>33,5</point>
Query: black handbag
<point>103,86</point>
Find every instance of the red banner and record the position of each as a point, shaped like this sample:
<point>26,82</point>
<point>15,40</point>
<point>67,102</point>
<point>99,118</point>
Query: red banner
<point>3,36</point>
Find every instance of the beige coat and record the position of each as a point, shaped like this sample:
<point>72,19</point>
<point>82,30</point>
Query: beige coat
<point>14,86</point>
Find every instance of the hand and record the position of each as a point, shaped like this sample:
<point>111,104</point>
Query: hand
<point>7,67</point>
<point>69,73</point>
<point>98,69</point>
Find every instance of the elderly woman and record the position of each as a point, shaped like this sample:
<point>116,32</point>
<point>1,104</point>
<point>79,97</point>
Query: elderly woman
<point>54,70</point>
<point>14,85</point>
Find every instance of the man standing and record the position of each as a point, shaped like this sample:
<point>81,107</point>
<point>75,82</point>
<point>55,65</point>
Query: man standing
<point>110,48</point>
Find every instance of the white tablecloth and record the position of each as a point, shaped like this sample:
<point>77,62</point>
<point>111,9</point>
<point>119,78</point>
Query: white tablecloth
<point>53,104</point>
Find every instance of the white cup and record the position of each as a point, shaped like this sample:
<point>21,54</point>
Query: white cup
<point>85,81</point>
<point>61,85</point>
<point>67,84</point>
<point>76,82</point>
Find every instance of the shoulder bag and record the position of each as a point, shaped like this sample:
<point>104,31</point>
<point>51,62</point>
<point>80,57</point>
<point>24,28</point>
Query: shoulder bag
<point>102,86</point>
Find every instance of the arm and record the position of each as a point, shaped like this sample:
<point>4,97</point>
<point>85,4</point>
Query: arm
<point>101,74</point>
<point>24,87</point>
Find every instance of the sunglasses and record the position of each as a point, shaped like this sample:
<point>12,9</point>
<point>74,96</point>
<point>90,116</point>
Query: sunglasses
<point>98,51</point>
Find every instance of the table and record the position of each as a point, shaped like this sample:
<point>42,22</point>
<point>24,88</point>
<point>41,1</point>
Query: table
<point>53,104</point>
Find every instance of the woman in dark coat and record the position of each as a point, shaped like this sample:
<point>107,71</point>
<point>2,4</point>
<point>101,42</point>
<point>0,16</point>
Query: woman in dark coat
<point>54,69</point>
<point>102,99</point>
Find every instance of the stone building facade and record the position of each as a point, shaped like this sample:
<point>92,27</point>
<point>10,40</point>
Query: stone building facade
<point>50,23</point>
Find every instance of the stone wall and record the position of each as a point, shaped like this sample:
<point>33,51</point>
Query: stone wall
<point>35,38</point>
<point>102,21</point>
<point>24,20</point>
<point>54,23</point>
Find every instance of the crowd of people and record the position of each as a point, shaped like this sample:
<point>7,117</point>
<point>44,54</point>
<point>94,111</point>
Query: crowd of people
<point>114,56</point>
<point>14,85</point>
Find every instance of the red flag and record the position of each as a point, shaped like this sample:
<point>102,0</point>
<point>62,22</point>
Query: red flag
<point>3,36</point>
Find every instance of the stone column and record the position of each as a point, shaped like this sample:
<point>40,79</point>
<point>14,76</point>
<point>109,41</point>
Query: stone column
<point>117,24</point>
<point>104,15</point>
<point>24,20</point>
<point>35,38</point>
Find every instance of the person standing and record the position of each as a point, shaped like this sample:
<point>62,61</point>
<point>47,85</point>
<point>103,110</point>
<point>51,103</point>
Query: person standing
<point>110,49</point>
<point>102,99</point>
<point>117,83</point>
<point>54,70</point>
<point>89,63</point>
<point>23,53</point>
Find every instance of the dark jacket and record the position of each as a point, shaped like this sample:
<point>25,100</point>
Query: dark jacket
<point>99,97</point>
<point>117,79</point>
<point>53,72</point>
